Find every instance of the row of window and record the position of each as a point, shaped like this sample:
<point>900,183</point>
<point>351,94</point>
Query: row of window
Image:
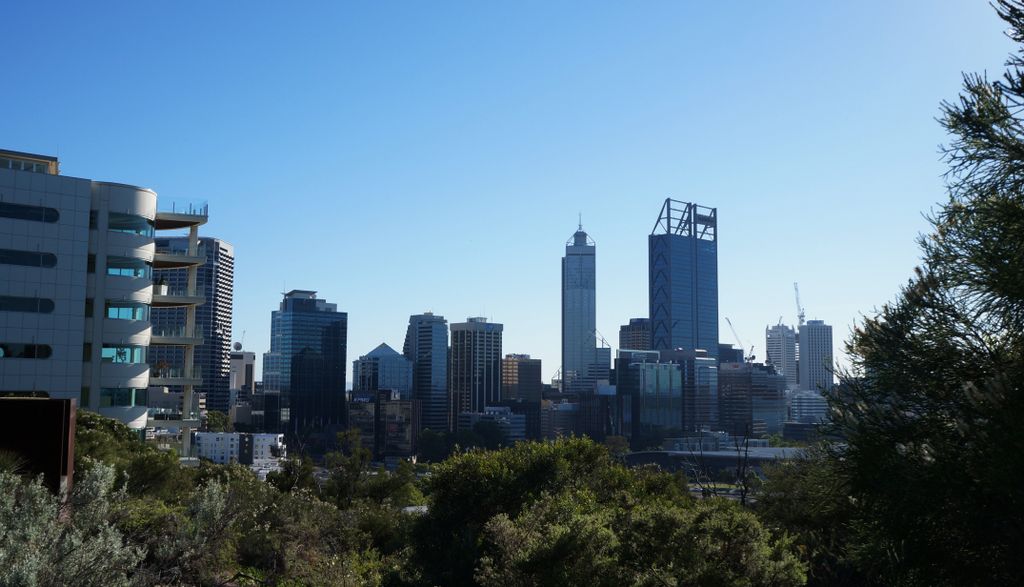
<point>29,212</point>
<point>123,266</point>
<point>119,222</point>
<point>23,304</point>
<point>22,165</point>
<point>27,258</point>
<point>13,350</point>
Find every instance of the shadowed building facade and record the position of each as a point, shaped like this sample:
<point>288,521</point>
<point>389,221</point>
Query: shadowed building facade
<point>475,366</point>
<point>306,363</point>
<point>426,345</point>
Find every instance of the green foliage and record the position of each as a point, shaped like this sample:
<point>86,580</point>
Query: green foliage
<point>37,547</point>
<point>296,473</point>
<point>565,512</point>
<point>218,422</point>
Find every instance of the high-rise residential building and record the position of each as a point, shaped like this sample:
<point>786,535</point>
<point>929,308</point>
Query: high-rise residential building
<point>475,371</point>
<point>215,278</point>
<point>243,374</point>
<point>76,289</point>
<point>751,398</point>
<point>521,378</point>
<point>816,356</point>
<point>683,278</point>
<point>635,336</point>
<point>383,368</point>
<point>306,363</point>
<point>780,343</point>
<point>426,345</point>
<point>579,313</point>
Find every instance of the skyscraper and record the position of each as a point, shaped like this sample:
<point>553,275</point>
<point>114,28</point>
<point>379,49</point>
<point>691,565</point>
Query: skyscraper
<point>243,374</point>
<point>426,345</point>
<point>215,278</point>
<point>780,343</point>
<point>383,369</point>
<point>475,374</point>
<point>635,336</point>
<point>816,356</point>
<point>683,278</point>
<point>306,363</point>
<point>579,314</point>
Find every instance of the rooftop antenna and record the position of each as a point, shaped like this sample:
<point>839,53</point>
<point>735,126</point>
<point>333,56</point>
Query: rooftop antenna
<point>581,220</point>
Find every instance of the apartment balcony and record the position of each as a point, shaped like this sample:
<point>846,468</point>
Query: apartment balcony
<point>177,215</point>
<point>169,297</point>
<point>178,258</point>
<point>176,336</point>
<point>174,376</point>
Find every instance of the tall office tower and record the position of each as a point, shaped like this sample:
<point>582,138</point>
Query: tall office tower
<point>683,278</point>
<point>816,356</point>
<point>521,378</point>
<point>579,314</point>
<point>243,373</point>
<point>383,368</point>
<point>635,336</point>
<point>306,363</point>
<point>751,399</point>
<point>780,342</point>
<point>76,262</point>
<point>426,345</point>
<point>475,374</point>
<point>215,278</point>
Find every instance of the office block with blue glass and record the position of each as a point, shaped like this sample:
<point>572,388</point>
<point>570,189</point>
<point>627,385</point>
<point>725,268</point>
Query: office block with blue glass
<point>306,363</point>
<point>683,278</point>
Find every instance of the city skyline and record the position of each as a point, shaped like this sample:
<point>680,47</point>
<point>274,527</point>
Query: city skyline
<point>346,110</point>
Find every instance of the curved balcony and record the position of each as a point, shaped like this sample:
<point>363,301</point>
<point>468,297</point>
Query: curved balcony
<point>168,297</point>
<point>174,376</point>
<point>176,336</point>
<point>123,374</point>
<point>176,215</point>
<point>135,417</point>
<point>177,258</point>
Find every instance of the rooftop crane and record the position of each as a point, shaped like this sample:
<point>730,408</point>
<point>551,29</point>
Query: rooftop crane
<point>748,358</point>
<point>799,309</point>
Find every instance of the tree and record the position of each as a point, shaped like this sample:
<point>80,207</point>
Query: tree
<point>218,422</point>
<point>39,546</point>
<point>347,468</point>
<point>931,410</point>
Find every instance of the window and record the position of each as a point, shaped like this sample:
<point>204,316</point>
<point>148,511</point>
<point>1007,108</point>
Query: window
<point>122,397</point>
<point>27,258</point>
<point>87,352</point>
<point>27,212</point>
<point>123,354</point>
<point>85,397</point>
<point>12,350</point>
<point>130,223</point>
<point>128,267</point>
<point>127,311</point>
<point>20,304</point>
<point>88,307</point>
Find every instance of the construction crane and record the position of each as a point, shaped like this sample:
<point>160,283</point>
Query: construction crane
<point>799,309</point>
<point>601,338</point>
<point>748,358</point>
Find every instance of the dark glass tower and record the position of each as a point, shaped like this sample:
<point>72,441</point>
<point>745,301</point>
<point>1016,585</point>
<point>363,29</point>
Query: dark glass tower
<point>306,363</point>
<point>426,345</point>
<point>215,280</point>
<point>475,374</point>
<point>683,274</point>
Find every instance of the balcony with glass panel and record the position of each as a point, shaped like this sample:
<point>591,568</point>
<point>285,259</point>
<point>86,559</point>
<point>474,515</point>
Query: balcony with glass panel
<point>165,296</point>
<point>177,257</point>
<point>170,375</point>
<point>176,336</point>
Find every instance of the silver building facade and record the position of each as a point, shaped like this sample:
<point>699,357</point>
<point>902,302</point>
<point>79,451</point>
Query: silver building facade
<point>579,314</point>
<point>426,345</point>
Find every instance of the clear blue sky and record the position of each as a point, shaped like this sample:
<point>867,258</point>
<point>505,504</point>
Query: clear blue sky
<point>409,156</point>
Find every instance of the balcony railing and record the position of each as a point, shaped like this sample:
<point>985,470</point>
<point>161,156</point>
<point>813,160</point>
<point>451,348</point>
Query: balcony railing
<point>196,251</point>
<point>179,291</point>
<point>177,332</point>
<point>183,207</point>
<point>156,372</point>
